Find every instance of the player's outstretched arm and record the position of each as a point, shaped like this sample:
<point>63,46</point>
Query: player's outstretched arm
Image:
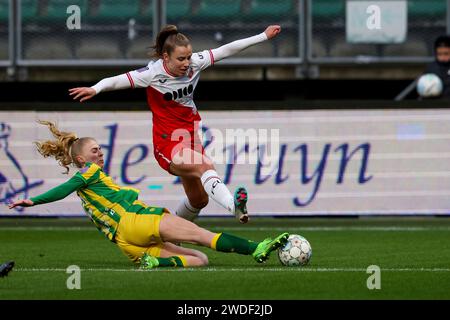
<point>108,84</point>
<point>55,194</point>
<point>21,203</point>
<point>82,93</point>
<point>237,46</point>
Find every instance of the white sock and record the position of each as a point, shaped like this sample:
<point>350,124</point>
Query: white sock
<point>217,190</point>
<point>186,211</point>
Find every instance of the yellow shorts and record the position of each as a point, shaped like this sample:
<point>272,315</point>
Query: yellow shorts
<point>138,233</point>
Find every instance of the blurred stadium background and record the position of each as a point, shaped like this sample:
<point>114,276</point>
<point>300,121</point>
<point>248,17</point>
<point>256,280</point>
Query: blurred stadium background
<point>116,33</point>
<point>343,134</point>
<point>353,141</point>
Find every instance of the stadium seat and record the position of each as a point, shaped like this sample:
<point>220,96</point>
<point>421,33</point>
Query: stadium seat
<point>218,9</point>
<point>114,10</point>
<point>98,48</point>
<point>57,9</point>
<point>327,9</point>
<point>29,10</point>
<point>178,9</point>
<point>146,13</point>
<point>4,11</point>
<point>47,49</point>
<point>429,8</point>
<point>271,8</point>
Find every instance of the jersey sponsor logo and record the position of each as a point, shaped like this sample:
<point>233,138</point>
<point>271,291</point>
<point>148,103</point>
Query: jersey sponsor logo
<point>182,92</point>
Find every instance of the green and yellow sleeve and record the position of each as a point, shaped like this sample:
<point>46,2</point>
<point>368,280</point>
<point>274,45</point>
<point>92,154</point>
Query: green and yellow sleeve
<point>59,192</point>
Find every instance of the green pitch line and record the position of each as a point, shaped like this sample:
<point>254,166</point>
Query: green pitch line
<point>412,254</point>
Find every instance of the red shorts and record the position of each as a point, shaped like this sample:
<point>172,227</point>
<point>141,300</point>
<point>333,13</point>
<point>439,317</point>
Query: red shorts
<point>164,149</point>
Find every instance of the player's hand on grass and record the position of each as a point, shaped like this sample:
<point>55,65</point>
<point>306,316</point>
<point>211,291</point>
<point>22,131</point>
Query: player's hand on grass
<point>272,31</point>
<point>82,93</point>
<point>21,203</point>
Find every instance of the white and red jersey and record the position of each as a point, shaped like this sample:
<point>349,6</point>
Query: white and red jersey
<point>170,97</point>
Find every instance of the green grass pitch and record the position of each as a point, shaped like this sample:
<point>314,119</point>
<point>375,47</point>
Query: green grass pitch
<point>413,255</point>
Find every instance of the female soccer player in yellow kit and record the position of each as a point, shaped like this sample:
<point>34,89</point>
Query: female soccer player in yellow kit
<point>144,233</point>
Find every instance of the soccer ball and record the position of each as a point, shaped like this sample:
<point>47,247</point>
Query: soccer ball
<point>296,252</point>
<point>429,85</point>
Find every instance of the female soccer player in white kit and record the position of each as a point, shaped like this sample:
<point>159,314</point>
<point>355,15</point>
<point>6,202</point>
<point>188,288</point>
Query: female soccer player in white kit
<point>170,82</point>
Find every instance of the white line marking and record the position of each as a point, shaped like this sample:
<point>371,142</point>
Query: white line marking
<point>261,269</point>
<point>301,229</point>
<point>298,229</point>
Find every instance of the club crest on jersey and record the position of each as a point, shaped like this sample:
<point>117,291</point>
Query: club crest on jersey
<point>182,92</point>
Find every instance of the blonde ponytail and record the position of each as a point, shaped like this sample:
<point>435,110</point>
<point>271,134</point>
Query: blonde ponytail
<point>60,148</point>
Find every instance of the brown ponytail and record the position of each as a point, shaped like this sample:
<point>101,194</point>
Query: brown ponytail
<point>64,149</point>
<point>166,41</point>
